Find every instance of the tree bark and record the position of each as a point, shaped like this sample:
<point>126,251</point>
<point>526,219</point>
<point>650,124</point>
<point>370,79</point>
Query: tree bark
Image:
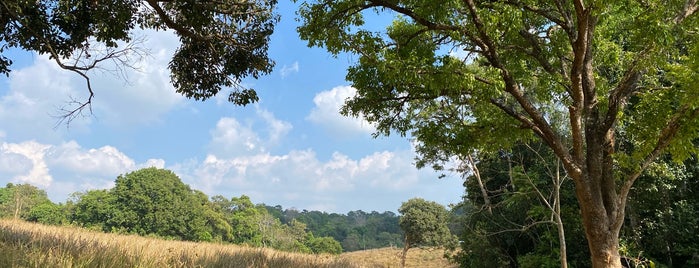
<point>599,221</point>
<point>405,253</point>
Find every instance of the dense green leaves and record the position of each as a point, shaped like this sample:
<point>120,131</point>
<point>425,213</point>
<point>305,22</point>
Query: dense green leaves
<point>424,223</point>
<point>17,200</point>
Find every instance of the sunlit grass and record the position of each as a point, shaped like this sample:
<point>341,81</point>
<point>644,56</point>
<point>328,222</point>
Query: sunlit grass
<point>25,244</point>
<point>390,258</point>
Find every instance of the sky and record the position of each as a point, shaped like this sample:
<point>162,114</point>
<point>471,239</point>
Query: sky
<point>292,148</point>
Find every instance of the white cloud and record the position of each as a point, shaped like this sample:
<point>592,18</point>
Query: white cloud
<point>300,179</point>
<point>276,128</point>
<point>13,163</point>
<point>327,113</point>
<point>66,168</point>
<point>103,162</point>
<point>290,69</point>
<point>232,138</point>
<point>30,157</point>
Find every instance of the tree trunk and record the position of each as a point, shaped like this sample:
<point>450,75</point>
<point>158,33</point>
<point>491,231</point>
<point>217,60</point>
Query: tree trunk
<point>600,226</point>
<point>604,249</point>
<point>404,254</point>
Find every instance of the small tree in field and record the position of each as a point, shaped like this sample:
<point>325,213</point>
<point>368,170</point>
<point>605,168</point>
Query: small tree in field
<point>424,224</point>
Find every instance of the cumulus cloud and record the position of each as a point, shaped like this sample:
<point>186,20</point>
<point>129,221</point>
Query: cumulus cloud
<point>327,113</point>
<point>103,162</point>
<point>300,179</point>
<point>289,69</point>
<point>65,168</point>
<point>29,157</point>
<point>232,138</point>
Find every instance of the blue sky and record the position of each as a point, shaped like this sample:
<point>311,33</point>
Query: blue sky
<point>292,148</point>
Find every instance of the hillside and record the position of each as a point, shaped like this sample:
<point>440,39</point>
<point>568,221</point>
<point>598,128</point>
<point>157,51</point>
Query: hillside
<point>24,244</point>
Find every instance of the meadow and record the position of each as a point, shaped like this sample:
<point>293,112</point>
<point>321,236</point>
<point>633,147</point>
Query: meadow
<point>24,244</point>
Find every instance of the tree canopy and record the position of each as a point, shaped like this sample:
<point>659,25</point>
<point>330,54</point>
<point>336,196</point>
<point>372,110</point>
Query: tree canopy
<point>221,42</point>
<point>608,86</point>
<point>424,223</point>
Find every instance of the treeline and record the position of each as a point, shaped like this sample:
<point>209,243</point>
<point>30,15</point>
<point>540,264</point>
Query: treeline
<point>514,223</point>
<point>356,230</point>
<point>155,202</point>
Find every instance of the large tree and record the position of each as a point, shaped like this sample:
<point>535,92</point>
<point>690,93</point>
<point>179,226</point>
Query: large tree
<point>156,201</point>
<point>578,75</point>
<point>221,42</point>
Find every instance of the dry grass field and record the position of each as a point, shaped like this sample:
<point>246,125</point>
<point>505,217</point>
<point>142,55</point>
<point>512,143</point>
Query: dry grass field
<point>24,244</point>
<point>390,258</point>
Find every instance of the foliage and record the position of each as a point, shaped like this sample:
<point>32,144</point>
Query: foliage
<point>155,201</point>
<point>518,229</point>
<point>466,77</point>
<point>323,244</point>
<point>424,223</point>
<point>663,214</point>
<point>94,208</point>
<point>48,213</point>
<point>220,42</point>
<point>17,200</point>
<point>356,230</point>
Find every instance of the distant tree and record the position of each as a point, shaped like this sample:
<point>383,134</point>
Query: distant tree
<point>16,200</point>
<point>324,244</point>
<point>94,209</point>
<point>243,217</point>
<point>221,42</point>
<point>155,201</point>
<point>47,213</point>
<point>424,224</point>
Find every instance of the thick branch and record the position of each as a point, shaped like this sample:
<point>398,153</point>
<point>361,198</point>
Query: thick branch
<point>619,96</point>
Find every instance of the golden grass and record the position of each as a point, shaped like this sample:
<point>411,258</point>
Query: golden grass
<point>390,257</point>
<point>25,244</point>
